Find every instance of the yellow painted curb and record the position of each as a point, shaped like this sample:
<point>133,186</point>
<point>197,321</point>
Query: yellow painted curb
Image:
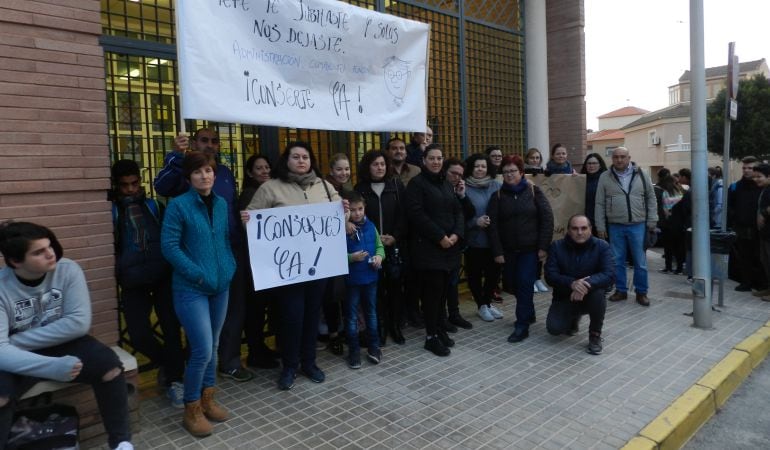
<point>727,375</point>
<point>677,423</point>
<point>640,443</point>
<point>757,345</point>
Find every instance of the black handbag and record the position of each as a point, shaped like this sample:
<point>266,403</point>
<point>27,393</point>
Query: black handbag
<point>393,263</point>
<point>54,426</point>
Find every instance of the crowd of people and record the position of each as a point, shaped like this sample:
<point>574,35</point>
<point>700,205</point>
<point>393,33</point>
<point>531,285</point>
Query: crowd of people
<point>414,220</point>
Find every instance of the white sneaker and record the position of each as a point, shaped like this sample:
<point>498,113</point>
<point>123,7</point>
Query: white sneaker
<point>125,445</point>
<point>540,286</point>
<point>535,289</point>
<point>496,313</point>
<point>486,314</point>
<point>175,393</point>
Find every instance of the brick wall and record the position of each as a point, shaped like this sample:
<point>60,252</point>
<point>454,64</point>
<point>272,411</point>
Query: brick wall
<point>54,156</point>
<point>566,76</point>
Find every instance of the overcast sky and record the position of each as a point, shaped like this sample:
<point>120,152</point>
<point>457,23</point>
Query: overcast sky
<point>636,49</point>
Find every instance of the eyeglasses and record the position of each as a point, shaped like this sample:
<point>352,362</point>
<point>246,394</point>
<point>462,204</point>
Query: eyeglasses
<point>205,140</point>
<point>510,171</point>
<point>592,163</point>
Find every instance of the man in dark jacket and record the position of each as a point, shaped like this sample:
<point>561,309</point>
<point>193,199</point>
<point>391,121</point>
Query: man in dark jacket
<point>144,278</point>
<point>742,200</point>
<point>580,269</point>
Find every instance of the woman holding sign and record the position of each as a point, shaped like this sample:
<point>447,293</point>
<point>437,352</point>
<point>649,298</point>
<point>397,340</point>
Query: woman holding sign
<point>297,181</point>
<point>437,225</point>
<point>195,241</point>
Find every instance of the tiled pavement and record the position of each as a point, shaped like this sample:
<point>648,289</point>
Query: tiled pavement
<point>544,393</point>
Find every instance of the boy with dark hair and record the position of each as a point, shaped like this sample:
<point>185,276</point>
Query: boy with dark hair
<point>144,278</point>
<point>45,315</point>
<point>365,255</point>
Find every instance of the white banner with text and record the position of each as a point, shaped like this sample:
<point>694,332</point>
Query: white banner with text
<point>319,64</point>
<point>292,244</point>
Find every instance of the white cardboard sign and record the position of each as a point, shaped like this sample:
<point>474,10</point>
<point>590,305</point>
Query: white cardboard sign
<point>321,64</point>
<point>292,244</point>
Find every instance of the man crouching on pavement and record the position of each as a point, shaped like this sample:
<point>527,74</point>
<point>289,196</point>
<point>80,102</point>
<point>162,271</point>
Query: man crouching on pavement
<point>45,315</point>
<point>580,269</point>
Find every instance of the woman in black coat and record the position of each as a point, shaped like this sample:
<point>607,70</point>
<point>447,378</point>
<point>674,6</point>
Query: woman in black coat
<point>520,232</point>
<point>436,228</point>
<point>384,198</point>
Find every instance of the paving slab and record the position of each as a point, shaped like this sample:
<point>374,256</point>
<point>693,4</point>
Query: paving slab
<point>545,392</point>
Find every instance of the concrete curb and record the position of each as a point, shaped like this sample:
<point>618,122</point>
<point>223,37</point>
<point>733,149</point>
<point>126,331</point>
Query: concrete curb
<point>679,422</point>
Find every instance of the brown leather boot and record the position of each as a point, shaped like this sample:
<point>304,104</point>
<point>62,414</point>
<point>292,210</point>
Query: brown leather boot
<point>642,299</point>
<point>211,409</point>
<point>194,421</point>
<point>618,296</point>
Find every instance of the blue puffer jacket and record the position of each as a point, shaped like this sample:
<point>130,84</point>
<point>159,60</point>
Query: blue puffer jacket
<point>197,247</point>
<point>568,261</point>
<point>365,238</point>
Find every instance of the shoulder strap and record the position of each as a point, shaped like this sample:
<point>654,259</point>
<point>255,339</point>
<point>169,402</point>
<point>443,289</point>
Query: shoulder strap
<point>644,193</point>
<point>326,188</point>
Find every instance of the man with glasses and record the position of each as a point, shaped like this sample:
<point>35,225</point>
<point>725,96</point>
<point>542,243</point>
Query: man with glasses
<point>171,182</point>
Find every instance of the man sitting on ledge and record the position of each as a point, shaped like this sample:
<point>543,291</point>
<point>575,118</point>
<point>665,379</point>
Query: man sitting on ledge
<point>580,269</point>
<point>45,315</point>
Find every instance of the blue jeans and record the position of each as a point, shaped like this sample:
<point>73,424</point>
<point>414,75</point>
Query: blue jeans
<point>631,236</point>
<point>366,296</point>
<point>520,272</point>
<point>202,317</point>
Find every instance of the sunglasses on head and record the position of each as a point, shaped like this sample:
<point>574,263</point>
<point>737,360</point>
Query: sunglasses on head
<point>205,140</point>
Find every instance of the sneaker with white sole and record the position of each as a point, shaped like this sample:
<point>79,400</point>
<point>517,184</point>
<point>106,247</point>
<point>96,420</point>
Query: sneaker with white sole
<point>486,314</point>
<point>496,313</point>
<point>125,445</point>
<point>175,393</point>
<point>541,287</point>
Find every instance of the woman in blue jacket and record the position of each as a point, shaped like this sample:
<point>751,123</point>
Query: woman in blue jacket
<point>194,240</point>
<point>482,271</point>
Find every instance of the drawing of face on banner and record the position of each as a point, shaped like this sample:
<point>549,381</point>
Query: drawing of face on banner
<point>396,73</point>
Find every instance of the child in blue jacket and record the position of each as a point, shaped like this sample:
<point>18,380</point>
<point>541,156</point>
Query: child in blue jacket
<point>365,255</point>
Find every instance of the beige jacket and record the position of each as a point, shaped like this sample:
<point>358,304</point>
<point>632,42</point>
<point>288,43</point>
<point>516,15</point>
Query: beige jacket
<point>275,193</point>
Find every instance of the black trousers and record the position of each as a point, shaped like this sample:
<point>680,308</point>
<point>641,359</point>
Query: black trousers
<point>563,312</point>
<point>483,274</point>
<point>300,310</point>
<point>749,263</point>
<point>231,337</point>
<point>137,304</point>
<point>259,309</point>
<point>334,296</point>
<point>434,285</point>
<point>97,359</point>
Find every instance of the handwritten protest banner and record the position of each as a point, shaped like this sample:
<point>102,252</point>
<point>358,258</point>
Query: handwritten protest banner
<point>292,244</point>
<point>567,196</point>
<point>320,64</point>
